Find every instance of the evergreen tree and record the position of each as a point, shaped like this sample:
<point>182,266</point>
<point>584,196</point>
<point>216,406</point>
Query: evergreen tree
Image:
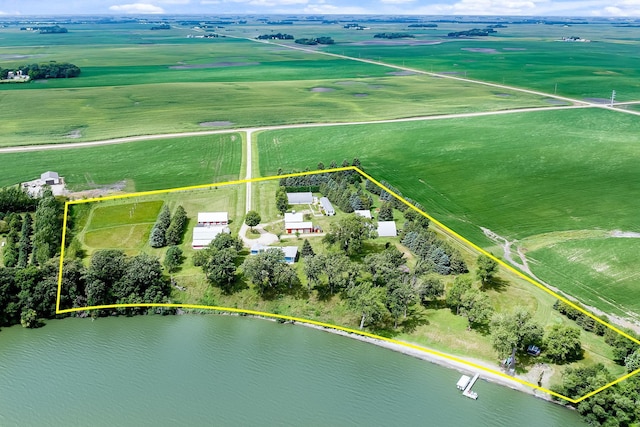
<point>307,250</point>
<point>386,212</point>
<point>173,258</point>
<point>24,247</point>
<point>177,226</point>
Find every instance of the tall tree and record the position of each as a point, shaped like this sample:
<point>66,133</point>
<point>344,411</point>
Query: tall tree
<point>461,285</point>
<point>349,233</point>
<point>158,236</point>
<point>177,226</point>
<point>173,258</point>
<point>386,212</point>
<point>252,218</point>
<point>313,267</point>
<point>307,250</point>
<point>429,289</point>
<point>562,344</point>
<point>513,331</point>
<point>47,234</point>
<point>475,306</point>
<point>368,300</point>
<point>221,268</point>
<point>487,268</point>
<point>400,296</point>
<point>282,201</point>
<point>24,246</point>
<point>269,272</point>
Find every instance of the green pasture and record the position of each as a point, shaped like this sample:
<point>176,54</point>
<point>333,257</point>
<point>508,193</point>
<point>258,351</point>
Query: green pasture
<point>123,214</point>
<point>83,114</point>
<point>602,271</point>
<point>147,165</point>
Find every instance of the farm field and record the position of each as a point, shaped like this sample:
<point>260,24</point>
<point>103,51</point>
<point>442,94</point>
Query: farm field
<point>150,84</point>
<point>567,170</point>
<point>144,165</point>
<point>604,271</point>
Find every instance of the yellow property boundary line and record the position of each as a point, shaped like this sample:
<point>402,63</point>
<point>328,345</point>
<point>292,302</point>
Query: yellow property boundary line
<point>446,229</point>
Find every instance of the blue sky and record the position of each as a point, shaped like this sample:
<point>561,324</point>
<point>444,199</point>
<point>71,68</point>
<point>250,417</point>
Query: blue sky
<point>604,8</point>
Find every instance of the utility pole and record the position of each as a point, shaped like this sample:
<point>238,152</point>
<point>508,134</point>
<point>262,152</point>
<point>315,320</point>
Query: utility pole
<point>613,96</point>
<point>555,89</point>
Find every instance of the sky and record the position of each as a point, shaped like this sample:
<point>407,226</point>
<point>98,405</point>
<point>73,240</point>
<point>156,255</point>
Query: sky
<point>586,8</point>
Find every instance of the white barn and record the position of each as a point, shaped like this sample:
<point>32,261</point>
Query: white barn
<point>293,217</point>
<point>363,213</point>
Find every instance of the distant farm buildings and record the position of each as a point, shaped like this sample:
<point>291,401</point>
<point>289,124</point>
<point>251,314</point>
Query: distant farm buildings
<point>300,198</point>
<point>210,224</point>
<point>290,252</point>
<point>52,179</point>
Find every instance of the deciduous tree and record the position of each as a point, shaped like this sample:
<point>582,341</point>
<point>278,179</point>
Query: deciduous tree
<point>562,344</point>
<point>252,218</point>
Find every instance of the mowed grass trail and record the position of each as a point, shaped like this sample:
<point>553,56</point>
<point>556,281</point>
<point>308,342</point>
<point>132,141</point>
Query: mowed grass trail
<point>148,165</point>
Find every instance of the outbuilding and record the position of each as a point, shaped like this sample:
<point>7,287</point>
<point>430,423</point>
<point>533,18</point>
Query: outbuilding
<point>293,217</point>
<point>387,229</point>
<point>50,178</point>
<point>203,235</point>
<point>363,213</point>
<point>290,252</point>
<point>327,207</point>
<point>213,218</point>
<point>300,198</point>
<point>298,227</point>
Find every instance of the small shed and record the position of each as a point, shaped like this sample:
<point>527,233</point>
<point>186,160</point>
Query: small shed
<point>363,213</point>
<point>300,198</point>
<point>293,217</point>
<point>327,207</point>
<point>387,229</point>
<point>213,218</point>
<point>50,178</point>
<point>298,227</point>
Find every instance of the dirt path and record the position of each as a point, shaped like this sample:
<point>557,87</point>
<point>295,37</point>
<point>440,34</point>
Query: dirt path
<point>26,148</point>
<point>445,76</point>
<point>523,266</point>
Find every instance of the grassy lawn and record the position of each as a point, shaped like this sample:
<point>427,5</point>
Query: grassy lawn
<point>149,165</point>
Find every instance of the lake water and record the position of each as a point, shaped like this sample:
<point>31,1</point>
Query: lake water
<point>219,370</point>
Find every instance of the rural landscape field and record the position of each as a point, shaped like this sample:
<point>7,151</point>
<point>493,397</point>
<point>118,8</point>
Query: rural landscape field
<point>522,142</point>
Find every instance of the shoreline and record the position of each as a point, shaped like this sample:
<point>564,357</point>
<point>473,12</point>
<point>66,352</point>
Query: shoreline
<point>445,362</point>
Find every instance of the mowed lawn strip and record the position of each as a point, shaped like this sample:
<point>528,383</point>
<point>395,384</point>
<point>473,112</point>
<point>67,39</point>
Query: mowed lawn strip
<point>150,165</point>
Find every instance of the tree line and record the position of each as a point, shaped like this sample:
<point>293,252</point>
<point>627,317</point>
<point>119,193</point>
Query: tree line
<point>46,70</point>
<point>277,36</point>
<point>393,35</point>
<point>315,41</point>
<point>475,32</point>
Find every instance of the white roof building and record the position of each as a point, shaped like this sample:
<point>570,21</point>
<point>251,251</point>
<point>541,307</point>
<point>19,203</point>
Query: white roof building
<point>293,217</point>
<point>363,213</point>
<point>202,236</point>
<point>387,229</point>
<point>50,178</point>
<point>300,198</point>
<point>290,252</point>
<point>306,226</point>
<point>327,207</point>
<point>214,218</point>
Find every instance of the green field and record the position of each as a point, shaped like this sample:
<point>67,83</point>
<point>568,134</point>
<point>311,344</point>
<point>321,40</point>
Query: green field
<point>603,271</point>
<point>565,170</point>
<point>147,165</point>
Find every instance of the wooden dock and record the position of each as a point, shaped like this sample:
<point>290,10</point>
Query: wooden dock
<point>468,392</point>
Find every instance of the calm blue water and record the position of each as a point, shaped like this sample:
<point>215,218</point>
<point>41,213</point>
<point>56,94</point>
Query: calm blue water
<point>217,370</point>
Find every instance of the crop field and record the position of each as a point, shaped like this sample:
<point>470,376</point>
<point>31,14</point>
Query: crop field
<point>146,165</point>
<point>525,56</point>
<point>565,170</point>
<point>603,271</point>
<point>150,83</point>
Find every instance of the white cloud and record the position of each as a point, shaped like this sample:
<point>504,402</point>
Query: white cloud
<point>210,2</point>
<point>137,8</point>
<point>396,1</point>
<point>272,3</point>
<point>329,9</point>
<point>484,7</point>
<point>173,1</point>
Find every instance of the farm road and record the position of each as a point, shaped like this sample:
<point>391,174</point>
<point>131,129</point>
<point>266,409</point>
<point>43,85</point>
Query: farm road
<point>25,148</point>
<point>446,76</point>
